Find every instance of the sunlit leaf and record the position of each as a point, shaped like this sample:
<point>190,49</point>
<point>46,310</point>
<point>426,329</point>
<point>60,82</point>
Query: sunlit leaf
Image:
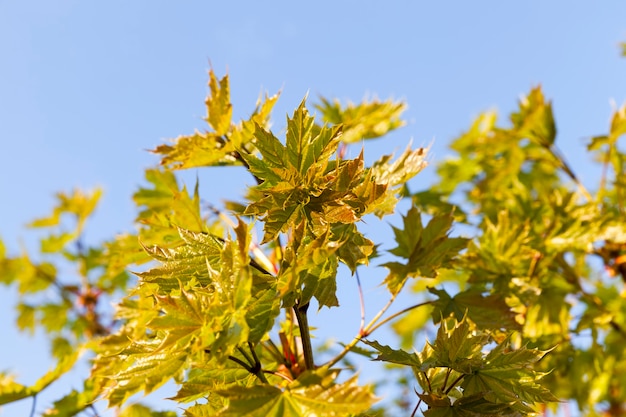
<point>535,119</point>
<point>487,311</point>
<point>426,249</point>
<point>219,108</point>
<point>365,120</point>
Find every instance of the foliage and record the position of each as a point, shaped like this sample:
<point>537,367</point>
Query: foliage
<point>527,302</point>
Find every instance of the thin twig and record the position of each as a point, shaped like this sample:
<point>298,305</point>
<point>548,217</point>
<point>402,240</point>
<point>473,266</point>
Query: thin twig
<point>430,388</point>
<point>361,301</point>
<point>240,362</point>
<point>566,168</point>
<point>246,356</point>
<point>364,332</point>
<point>32,409</point>
<point>257,361</point>
<point>456,381</point>
<point>399,313</point>
<point>95,412</point>
<point>416,408</point>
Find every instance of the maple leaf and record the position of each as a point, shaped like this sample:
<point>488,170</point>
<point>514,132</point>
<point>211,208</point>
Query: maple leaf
<point>222,145</point>
<point>487,311</point>
<point>310,394</point>
<point>365,120</point>
<point>197,259</point>
<point>197,150</point>
<point>426,249</point>
<point>507,377</point>
<point>219,108</point>
<point>308,270</point>
<point>10,390</point>
<point>535,119</point>
<point>418,361</point>
<point>459,347</point>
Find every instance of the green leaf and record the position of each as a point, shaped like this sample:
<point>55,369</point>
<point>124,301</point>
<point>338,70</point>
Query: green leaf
<point>26,317</point>
<point>365,120</point>
<point>507,377</point>
<point>400,357</point>
<point>535,119</point>
<point>354,248</point>
<point>219,109</point>
<point>487,311</point>
<point>79,204</point>
<point>197,150</point>
<point>309,270</point>
<point>205,378</point>
<point>11,391</point>
<point>181,319</point>
<point>260,401</point>
<point>167,206</point>
<point>467,406</point>
<point>459,346</point>
<point>300,398</point>
<point>227,143</point>
<point>73,403</point>
<point>405,167</point>
<point>618,124</point>
<point>426,249</point>
<point>197,259</point>
<point>299,137</point>
<point>139,410</point>
<point>144,373</point>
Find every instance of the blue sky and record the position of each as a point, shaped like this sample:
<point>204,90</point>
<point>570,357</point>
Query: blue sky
<point>87,87</point>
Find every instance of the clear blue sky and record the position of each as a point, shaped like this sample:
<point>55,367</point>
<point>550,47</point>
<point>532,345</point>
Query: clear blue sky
<point>87,87</point>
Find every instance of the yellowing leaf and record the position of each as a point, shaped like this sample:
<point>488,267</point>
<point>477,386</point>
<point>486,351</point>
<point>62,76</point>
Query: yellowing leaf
<point>365,120</point>
<point>77,203</point>
<point>535,119</point>
<point>219,109</point>
<point>197,150</point>
<point>11,391</point>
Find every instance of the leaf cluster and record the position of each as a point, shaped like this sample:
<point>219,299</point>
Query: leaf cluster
<point>515,263</point>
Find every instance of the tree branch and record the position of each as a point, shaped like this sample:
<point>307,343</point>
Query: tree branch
<point>305,335</point>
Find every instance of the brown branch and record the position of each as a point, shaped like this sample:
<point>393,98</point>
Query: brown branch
<point>305,335</point>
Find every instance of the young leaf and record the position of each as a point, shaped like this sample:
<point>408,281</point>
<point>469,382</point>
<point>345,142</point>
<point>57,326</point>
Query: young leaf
<point>486,311</point>
<point>535,119</point>
<point>219,109</point>
<point>73,403</point>
<point>459,347</point>
<point>363,121</point>
<point>167,206</point>
<point>299,138</point>
<point>144,373</point>
<point>299,399</point>
<point>507,377</point>
<point>197,259</point>
<point>426,249</point>
<point>139,410</point>
<point>197,150</point>
<point>400,357</point>
<point>11,391</point>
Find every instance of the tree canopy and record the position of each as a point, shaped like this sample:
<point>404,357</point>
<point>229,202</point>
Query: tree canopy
<point>517,270</point>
